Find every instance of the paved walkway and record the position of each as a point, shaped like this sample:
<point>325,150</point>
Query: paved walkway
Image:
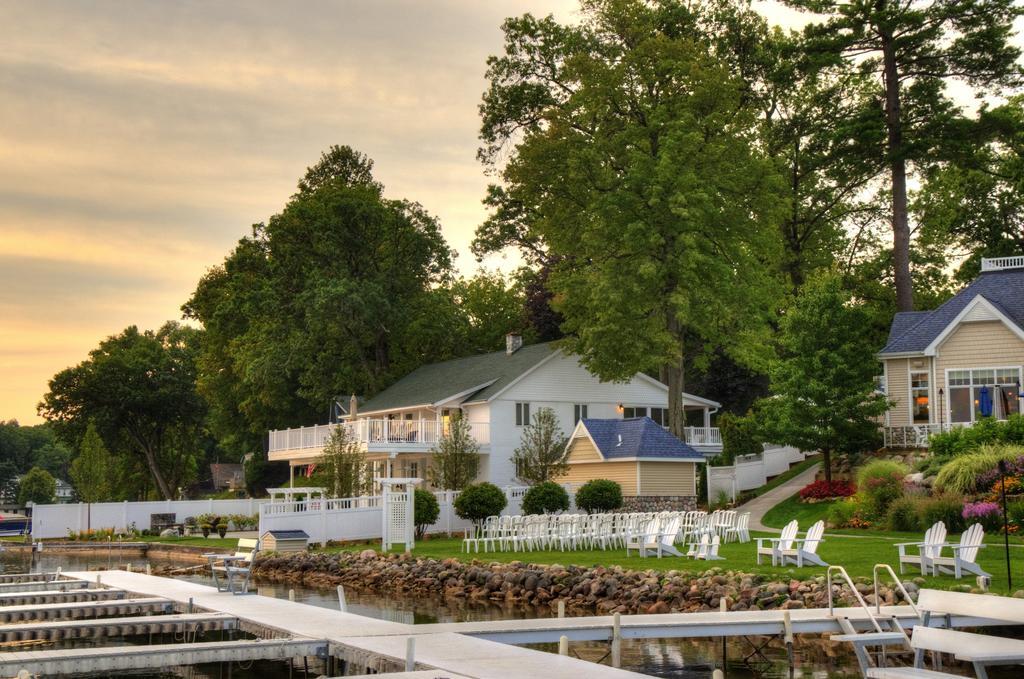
<point>759,506</point>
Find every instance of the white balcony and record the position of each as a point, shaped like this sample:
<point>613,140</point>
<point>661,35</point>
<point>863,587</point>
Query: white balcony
<point>378,435</point>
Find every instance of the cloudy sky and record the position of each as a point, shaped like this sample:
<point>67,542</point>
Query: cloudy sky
<point>140,140</point>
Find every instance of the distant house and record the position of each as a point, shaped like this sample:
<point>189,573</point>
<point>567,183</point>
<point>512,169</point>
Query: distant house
<point>65,491</point>
<point>227,475</point>
<point>654,468</point>
<point>960,362</point>
<point>497,393</point>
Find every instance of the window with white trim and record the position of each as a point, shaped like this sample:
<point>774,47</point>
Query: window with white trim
<point>522,414</point>
<point>634,411</point>
<point>579,412</point>
<point>965,388</point>
<point>919,397</point>
<point>660,415</point>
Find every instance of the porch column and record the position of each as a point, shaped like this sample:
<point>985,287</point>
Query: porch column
<point>707,417</point>
<point>291,474</point>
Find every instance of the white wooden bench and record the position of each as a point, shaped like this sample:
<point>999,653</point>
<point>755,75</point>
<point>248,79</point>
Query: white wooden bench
<point>981,650</point>
<point>235,567</point>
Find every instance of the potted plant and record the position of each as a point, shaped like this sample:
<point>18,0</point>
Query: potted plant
<point>222,529</point>
<point>206,528</point>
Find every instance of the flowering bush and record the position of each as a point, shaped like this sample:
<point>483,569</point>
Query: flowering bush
<point>1014,469</point>
<point>823,490</point>
<point>985,513</point>
<point>848,513</point>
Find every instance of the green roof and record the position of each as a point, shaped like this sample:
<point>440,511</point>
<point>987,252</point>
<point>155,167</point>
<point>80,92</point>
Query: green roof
<point>439,381</point>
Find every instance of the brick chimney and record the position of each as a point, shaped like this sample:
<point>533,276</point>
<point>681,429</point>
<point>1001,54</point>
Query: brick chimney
<point>513,341</point>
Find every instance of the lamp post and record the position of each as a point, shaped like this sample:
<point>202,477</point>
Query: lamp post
<point>1006,530</point>
<point>941,409</point>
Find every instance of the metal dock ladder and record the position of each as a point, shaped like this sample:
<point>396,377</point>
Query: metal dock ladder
<point>888,632</point>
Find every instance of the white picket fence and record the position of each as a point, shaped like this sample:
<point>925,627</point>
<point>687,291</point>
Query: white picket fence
<point>751,471</point>
<point>362,518</point>
<point>56,521</point>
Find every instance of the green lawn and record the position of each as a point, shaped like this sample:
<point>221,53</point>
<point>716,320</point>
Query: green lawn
<point>193,540</point>
<point>791,508</point>
<point>857,554</point>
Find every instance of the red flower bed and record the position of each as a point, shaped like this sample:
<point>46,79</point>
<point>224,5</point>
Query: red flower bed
<point>823,490</point>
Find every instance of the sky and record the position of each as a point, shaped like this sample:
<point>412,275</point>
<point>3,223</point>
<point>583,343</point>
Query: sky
<point>140,140</point>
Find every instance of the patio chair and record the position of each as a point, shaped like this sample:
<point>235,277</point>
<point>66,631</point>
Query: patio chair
<point>741,531</point>
<point>927,549</point>
<point>660,539</point>
<point>805,548</point>
<point>772,546</point>
<point>706,549</point>
<point>236,567</point>
<point>964,554</point>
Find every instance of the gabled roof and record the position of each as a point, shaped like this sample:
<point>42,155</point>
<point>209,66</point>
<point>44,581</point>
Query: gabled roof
<point>474,378</point>
<point>636,437</point>
<point>914,332</point>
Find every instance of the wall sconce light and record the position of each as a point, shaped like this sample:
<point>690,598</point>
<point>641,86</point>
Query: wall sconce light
<point>619,408</point>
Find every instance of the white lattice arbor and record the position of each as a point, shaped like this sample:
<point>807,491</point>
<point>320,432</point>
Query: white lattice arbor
<point>399,512</point>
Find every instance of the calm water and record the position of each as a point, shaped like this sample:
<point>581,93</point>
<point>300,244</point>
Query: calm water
<point>682,658</point>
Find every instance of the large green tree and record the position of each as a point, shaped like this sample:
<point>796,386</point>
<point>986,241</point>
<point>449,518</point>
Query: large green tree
<point>823,391</point>
<point>37,487</point>
<point>337,294</point>
<point>140,390</point>
<point>913,49</point>
<point>92,471</point>
<point>633,162</point>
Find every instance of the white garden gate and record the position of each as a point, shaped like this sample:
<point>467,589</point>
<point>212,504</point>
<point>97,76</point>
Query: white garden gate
<point>399,513</point>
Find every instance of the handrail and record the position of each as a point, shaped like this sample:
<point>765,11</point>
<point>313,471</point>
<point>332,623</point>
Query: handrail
<point>906,595</point>
<point>853,588</point>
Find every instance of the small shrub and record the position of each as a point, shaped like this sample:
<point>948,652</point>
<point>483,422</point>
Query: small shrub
<point>966,473</point>
<point>848,513</point>
<point>987,514</point>
<point>825,490</point>
<point>599,495</point>
<point>880,482</point>
<point>1015,512</point>
<point>985,432</point>
<point>545,498</point>
<point>947,508</point>
<point>478,501</point>
<point>425,511</point>
<point>904,514</point>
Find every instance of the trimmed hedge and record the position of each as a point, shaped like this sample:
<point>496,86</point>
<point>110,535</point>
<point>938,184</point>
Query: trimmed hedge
<point>545,498</point>
<point>599,495</point>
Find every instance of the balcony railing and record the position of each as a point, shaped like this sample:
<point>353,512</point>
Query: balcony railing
<point>708,436</point>
<point>376,434</point>
<point>1000,263</point>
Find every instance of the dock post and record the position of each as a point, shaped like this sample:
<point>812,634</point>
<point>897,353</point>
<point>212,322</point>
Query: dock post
<point>149,569</point>
<point>718,674</point>
<point>341,599</point>
<point>291,595</point>
<point>787,626</point>
<point>616,640</point>
<point>563,645</point>
<point>561,608</point>
<point>99,581</point>
<point>410,654</point>
<point>188,608</point>
<point>128,567</point>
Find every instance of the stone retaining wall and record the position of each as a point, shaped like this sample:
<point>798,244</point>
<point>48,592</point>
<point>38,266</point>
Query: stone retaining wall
<point>659,503</point>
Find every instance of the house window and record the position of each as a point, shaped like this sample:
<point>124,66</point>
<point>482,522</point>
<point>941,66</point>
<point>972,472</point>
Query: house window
<point>965,390</point>
<point>919,397</point>
<point>522,414</point>
<point>633,411</point>
<point>579,412</point>
<point>660,415</point>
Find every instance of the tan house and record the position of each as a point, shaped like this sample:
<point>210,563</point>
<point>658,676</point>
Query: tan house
<point>654,468</point>
<point>960,362</point>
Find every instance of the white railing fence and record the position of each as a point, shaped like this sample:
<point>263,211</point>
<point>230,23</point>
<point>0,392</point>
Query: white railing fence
<point>999,263</point>
<point>751,471</point>
<point>56,521</point>
<point>916,435</point>
<point>420,433</point>
<point>703,435</point>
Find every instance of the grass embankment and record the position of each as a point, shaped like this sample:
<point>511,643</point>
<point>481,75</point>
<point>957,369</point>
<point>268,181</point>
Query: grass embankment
<point>785,476</point>
<point>857,554</point>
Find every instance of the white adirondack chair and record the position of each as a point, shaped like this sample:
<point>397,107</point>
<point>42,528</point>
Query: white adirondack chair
<point>964,556</point>
<point>702,546</point>
<point>741,531</point>
<point>805,548</point>
<point>661,538</point>
<point>927,549</point>
<point>708,548</point>
<point>772,546</point>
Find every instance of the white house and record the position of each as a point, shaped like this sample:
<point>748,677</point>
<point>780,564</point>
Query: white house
<point>497,393</point>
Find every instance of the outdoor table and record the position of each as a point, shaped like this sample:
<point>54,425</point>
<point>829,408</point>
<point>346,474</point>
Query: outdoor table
<point>228,559</point>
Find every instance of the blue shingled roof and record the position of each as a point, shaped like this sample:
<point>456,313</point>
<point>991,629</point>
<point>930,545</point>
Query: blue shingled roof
<point>913,331</point>
<point>640,437</point>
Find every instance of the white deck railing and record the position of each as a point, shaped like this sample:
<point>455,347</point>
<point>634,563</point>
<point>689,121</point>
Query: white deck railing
<point>703,436</point>
<point>1000,263</point>
<point>375,433</point>
<point>916,435</point>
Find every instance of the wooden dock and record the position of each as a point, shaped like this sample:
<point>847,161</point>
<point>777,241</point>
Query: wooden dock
<point>289,630</point>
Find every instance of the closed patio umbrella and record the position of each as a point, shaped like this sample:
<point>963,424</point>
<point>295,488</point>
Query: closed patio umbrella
<point>985,402</point>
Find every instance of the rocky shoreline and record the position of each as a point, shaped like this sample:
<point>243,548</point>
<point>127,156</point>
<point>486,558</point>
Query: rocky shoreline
<point>599,590</point>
